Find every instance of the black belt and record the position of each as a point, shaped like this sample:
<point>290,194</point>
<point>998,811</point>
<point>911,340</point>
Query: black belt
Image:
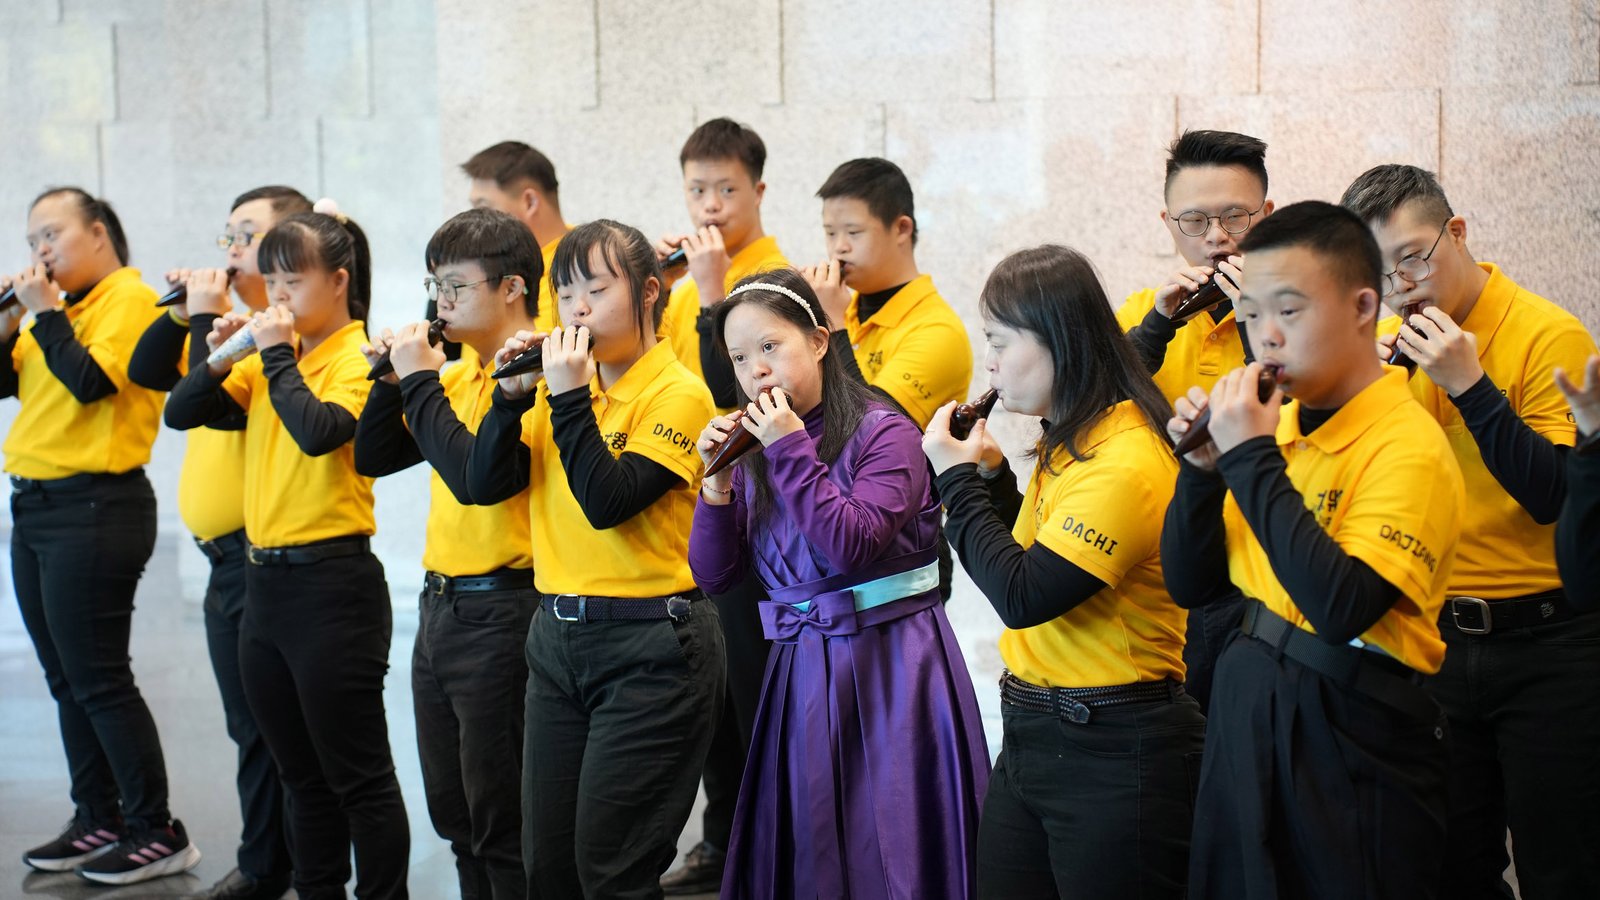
<point>79,482</point>
<point>306,554</point>
<point>581,608</point>
<point>1073,704</point>
<point>1477,617</point>
<point>507,580</point>
<point>1381,677</point>
<point>217,548</point>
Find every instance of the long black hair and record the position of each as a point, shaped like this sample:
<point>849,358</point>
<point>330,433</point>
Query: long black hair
<point>844,399</point>
<point>1052,292</point>
<point>308,240</point>
<point>93,210</point>
<point>627,253</point>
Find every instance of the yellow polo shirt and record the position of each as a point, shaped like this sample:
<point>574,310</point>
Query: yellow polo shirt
<point>1522,338</point>
<point>291,498</point>
<point>1203,350</point>
<point>472,540</point>
<point>55,436</point>
<point>549,317</point>
<point>1104,516</point>
<point>1383,483</point>
<point>211,479</point>
<point>915,349</point>
<point>683,306</point>
<point>656,409</point>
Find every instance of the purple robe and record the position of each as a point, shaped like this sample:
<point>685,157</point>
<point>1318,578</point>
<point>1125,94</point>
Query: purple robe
<point>868,763</point>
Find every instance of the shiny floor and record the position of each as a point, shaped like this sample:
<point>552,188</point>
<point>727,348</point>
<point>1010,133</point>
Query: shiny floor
<point>174,673</point>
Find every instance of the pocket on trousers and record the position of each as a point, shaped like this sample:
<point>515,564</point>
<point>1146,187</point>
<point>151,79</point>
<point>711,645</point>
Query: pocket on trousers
<point>486,609</point>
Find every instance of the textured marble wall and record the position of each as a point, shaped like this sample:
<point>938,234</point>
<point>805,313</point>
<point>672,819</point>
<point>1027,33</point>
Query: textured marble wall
<point>1018,122</point>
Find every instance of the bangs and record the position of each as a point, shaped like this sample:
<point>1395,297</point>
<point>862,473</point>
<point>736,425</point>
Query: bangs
<point>291,247</point>
<point>572,261</point>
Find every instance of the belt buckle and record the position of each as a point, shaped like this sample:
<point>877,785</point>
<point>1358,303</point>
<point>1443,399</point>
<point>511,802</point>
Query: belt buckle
<point>1482,606</point>
<point>677,607</point>
<point>434,583</point>
<point>257,555</point>
<point>555,607</point>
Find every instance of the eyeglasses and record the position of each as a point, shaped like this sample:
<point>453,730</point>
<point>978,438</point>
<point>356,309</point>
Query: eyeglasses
<point>1195,223</point>
<point>449,290</point>
<point>1413,268</point>
<point>241,239</point>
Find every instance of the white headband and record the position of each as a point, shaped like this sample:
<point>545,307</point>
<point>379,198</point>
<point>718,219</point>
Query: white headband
<point>780,289</point>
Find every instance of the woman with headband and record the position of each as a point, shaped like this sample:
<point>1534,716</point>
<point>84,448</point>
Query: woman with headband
<point>868,761</point>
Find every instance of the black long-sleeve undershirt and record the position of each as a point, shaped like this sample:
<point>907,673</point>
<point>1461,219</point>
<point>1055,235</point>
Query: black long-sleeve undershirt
<point>715,366</point>
<point>70,361</point>
<point>429,431</point>
<point>199,399</point>
<point>1530,468</point>
<point>8,371</point>
<point>154,363</point>
<point>609,489</point>
<point>383,444</point>
<point>317,427</point>
<point>1150,338</point>
<point>1025,587</point>
<point>498,468</point>
<point>1578,531</point>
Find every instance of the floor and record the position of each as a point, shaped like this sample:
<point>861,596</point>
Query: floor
<point>174,674</point>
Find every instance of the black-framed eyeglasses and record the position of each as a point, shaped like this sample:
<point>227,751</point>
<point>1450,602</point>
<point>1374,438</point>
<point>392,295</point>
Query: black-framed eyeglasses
<point>240,239</point>
<point>1195,223</point>
<point>449,290</point>
<point>1413,268</point>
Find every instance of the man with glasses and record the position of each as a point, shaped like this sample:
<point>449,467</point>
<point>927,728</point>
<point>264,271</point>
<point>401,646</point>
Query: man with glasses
<point>468,672</point>
<point>1522,664</point>
<point>1216,189</point>
<point>211,504</point>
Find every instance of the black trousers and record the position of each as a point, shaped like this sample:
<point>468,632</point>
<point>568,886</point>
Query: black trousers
<point>76,558</point>
<point>1311,789</point>
<point>1525,754</point>
<point>1098,811</point>
<point>619,717</point>
<point>313,650</point>
<point>1210,628</point>
<point>263,841</point>
<point>468,683</point>
<point>747,651</point>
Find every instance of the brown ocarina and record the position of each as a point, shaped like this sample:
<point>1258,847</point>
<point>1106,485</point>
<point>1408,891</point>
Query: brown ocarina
<point>1200,429</point>
<point>963,417</point>
<point>740,441</point>
<point>385,365</point>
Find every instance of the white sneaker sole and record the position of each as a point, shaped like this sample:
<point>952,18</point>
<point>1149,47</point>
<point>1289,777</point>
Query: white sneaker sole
<point>176,864</point>
<point>69,863</point>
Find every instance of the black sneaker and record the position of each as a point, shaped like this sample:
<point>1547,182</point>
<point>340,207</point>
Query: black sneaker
<point>140,857</point>
<point>701,872</point>
<point>79,843</point>
<point>236,885</point>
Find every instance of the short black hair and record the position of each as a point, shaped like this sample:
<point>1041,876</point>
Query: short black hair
<point>876,182</point>
<point>1380,191</point>
<point>286,201</point>
<point>510,162</point>
<point>1217,148</point>
<point>497,241</point>
<point>1334,233</point>
<point>627,254</point>
<point>312,240</point>
<point>93,209</point>
<point>721,139</point>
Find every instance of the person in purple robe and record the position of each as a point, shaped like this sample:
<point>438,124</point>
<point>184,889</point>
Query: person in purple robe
<point>868,763</point>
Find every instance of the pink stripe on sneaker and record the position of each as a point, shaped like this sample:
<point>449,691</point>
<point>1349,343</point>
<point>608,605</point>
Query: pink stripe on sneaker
<point>104,835</point>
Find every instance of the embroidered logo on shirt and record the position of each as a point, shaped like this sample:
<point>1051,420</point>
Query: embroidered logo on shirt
<point>1099,539</point>
<point>1409,543</point>
<point>673,436</point>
